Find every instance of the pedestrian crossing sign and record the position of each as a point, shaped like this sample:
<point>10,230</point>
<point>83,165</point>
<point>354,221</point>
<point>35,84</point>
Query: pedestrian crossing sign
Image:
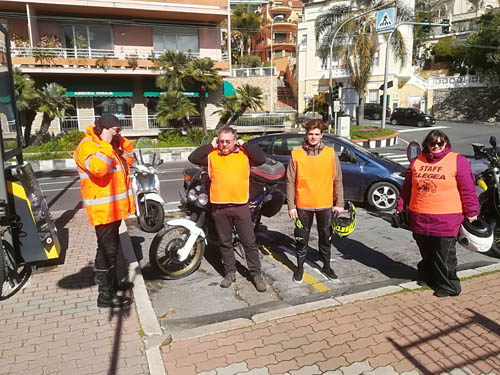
<point>386,18</point>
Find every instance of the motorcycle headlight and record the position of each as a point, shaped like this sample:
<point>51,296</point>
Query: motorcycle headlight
<point>192,195</point>
<point>203,199</point>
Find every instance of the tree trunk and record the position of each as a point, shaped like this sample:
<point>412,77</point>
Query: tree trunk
<point>361,109</point>
<point>203,104</point>
<point>27,118</point>
<point>44,128</point>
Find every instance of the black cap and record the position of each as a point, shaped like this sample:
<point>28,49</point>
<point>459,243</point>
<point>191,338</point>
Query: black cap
<point>107,121</point>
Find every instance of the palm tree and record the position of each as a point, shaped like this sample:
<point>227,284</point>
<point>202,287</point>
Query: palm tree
<point>248,97</point>
<point>53,103</point>
<point>228,105</point>
<point>27,97</point>
<point>245,22</point>
<point>173,65</point>
<point>203,76</point>
<point>319,105</point>
<point>174,107</point>
<point>357,41</point>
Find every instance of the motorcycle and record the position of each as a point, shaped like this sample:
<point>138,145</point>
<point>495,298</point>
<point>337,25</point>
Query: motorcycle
<point>489,182</point>
<point>146,190</point>
<point>177,250</point>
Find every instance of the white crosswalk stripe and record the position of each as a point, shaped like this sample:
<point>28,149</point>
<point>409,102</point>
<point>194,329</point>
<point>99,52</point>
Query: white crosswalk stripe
<point>400,158</point>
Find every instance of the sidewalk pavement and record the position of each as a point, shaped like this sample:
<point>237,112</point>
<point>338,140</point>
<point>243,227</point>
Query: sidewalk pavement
<point>53,325</point>
<point>410,332</point>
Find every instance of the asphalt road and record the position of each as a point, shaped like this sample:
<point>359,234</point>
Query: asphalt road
<point>375,254</point>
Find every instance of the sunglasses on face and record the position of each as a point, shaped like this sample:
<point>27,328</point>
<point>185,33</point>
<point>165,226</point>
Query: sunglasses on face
<point>116,129</point>
<point>439,144</point>
<point>226,141</point>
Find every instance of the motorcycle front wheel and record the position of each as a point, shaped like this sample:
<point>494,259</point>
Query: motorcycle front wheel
<point>12,276</point>
<point>163,253</point>
<point>154,215</point>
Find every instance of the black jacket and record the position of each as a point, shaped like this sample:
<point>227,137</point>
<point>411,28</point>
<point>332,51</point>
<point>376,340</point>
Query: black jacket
<point>256,156</point>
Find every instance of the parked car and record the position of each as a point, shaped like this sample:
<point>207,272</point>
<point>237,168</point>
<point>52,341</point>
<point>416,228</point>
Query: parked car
<point>374,111</point>
<point>367,176</point>
<point>411,116</point>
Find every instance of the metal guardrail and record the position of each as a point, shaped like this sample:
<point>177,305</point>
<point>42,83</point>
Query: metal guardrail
<point>73,122</point>
<point>154,124</point>
<point>262,120</point>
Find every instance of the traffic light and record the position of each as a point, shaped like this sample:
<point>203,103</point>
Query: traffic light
<point>446,26</point>
<point>426,28</point>
<point>335,93</point>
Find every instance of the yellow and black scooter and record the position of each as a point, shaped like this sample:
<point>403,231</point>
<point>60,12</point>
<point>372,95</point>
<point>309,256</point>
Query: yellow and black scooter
<point>28,234</point>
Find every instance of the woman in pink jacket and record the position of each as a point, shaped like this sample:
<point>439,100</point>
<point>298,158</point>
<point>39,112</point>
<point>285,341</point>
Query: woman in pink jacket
<point>438,191</point>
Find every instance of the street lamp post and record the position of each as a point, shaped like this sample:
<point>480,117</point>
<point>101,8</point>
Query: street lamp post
<point>271,109</point>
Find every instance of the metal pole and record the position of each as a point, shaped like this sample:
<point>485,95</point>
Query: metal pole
<point>386,71</point>
<point>229,46</point>
<point>272,70</point>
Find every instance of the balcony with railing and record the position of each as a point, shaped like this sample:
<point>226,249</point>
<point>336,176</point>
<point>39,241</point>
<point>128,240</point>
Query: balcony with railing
<point>254,72</point>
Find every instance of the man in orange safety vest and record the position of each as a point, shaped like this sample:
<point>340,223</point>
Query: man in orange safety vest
<point>103,159</point>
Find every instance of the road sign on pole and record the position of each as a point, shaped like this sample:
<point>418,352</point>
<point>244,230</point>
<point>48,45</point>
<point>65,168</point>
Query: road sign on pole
<point>386,19</point>
<point>336,106</point>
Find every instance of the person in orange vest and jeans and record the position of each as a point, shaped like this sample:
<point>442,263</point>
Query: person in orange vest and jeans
<point>438,191</point>
<point>229,161</point>
<point>103,159</point>
<point>314,188</point>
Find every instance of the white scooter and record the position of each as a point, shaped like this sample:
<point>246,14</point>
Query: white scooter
<point>146,189</point>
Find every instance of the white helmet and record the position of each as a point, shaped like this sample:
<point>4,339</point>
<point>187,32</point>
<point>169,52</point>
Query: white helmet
<point>476,236</point>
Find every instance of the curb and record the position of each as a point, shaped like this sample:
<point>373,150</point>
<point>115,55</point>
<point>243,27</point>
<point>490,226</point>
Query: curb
<point>154,336</point>
<point>69,164</point>
<point>314,306</point>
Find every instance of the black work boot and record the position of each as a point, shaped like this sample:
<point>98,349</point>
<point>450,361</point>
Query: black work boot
<point>107,296</point>
<point>328,272</point>
<point>121,285</point>
<point>228,280</point>
<point>298,275</point>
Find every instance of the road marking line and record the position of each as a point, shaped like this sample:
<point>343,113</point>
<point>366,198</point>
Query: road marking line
<point>307,278</point>
<point>422,129</point>
<point>386,153</point>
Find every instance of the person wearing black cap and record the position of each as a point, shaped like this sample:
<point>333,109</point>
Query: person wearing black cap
<point>103,159</point>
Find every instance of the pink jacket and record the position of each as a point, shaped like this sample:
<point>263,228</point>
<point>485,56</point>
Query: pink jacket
<point>442,225</point>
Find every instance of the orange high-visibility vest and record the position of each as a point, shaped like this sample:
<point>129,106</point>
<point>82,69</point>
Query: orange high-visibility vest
<point>105,179</point>
<point>314,178</point>
<point>229,176</point>
<point>434,186</point>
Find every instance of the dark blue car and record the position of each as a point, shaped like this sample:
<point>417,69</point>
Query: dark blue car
<point>367,176</point>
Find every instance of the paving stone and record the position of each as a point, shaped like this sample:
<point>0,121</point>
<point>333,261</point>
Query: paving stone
<point>356,368</point>
<point>307,370</point>
<point>232,369</point>
<point>386,370</point>
<point>255,371</point>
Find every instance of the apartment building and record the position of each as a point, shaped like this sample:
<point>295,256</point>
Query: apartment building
<point>313,72</point>
<point>101,52</point>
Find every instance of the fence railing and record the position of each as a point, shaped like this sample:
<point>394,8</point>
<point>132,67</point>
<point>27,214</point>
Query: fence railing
<point>254,72</point>
<point>449,82</point>
<point>263,120</point>
<point>78,123</point>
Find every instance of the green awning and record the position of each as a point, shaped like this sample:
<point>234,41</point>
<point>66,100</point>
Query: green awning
<point>80,94</point>
<point>5,99</point>
<point>155,94</point>
<point>229,89</point>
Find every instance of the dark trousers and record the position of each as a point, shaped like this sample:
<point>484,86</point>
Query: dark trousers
<point>108,243</point>
<point>324,221</point>
<point>225,217</point>
<point>438,266</point>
